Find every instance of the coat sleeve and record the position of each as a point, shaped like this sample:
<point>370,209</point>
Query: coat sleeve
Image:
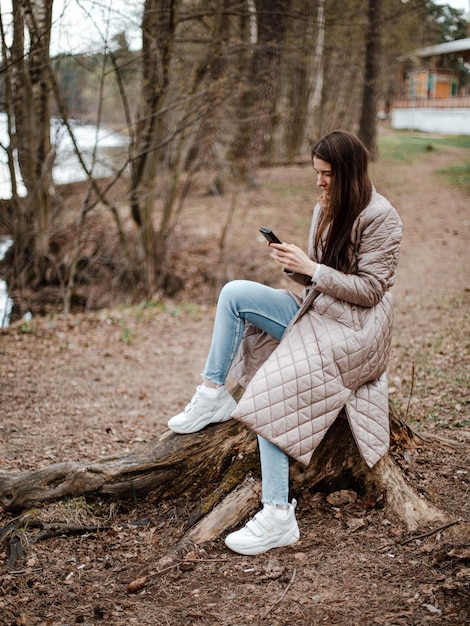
<point>377,235</point>
<point>301,279</point>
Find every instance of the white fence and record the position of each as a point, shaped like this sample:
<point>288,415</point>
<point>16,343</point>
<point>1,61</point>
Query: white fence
<point>451,121</point>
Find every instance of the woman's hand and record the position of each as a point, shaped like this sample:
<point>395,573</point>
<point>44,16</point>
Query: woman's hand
<point>292,258</point>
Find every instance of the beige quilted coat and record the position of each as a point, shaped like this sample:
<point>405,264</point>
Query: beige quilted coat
<point>333,354</point>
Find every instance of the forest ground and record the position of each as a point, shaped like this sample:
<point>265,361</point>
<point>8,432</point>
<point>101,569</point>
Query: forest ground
<point>92,384</point>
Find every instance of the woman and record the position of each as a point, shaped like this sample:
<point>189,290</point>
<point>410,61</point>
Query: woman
<point>304,359</point>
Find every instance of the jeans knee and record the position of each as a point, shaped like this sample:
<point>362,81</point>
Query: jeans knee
<point>231,292</point>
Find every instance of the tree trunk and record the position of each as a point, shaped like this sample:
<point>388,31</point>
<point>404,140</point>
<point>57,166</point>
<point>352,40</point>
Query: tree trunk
<point>368,122</point>
<point>30,96</point>
<point>216,71</point>
<point>306,81</point>
<point>219,468</point>
<point>158,32</point>
<point>257,99</point>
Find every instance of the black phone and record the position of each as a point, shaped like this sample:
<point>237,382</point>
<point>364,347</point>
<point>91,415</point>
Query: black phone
<point>270,236</point>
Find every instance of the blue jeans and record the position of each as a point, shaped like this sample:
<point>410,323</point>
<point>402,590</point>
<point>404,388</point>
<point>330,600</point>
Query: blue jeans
<point>271,310</point>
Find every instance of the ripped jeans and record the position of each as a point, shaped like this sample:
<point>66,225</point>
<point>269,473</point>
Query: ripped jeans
<point>271,310</point>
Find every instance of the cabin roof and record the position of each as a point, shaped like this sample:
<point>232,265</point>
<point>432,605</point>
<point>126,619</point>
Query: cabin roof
<point>458,45</point>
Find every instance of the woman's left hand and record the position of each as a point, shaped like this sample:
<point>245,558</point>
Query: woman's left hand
<point>292,258</point>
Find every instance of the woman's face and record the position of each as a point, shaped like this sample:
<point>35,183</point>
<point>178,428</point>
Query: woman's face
<point>324,175</point>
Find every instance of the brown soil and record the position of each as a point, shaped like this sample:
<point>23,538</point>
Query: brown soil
<point>87,385</point>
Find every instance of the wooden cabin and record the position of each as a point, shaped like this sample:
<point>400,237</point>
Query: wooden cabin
<point>432,95</point>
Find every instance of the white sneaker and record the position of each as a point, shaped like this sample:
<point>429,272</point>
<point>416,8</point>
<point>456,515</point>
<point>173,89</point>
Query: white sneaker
<point>265,531</point>
<point>203,410</point>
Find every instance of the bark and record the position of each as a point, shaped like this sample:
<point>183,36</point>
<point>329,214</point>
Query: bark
<point>169,464</point>
<point>218,468</point>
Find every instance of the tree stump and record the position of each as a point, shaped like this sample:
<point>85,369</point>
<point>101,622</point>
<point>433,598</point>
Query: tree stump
<point>219,469</point>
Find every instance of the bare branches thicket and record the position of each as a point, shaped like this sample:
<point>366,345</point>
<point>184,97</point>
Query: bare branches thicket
<point>190,66</point>
<point>217,88</point>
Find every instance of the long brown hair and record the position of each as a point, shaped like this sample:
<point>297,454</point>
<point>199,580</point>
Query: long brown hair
<point>350,193</point>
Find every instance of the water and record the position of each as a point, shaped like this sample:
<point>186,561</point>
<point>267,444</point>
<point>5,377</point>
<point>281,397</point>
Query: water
<point>67,169</point>
<point>6,303</point>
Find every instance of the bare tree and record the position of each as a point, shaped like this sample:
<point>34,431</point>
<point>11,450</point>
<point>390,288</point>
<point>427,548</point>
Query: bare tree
<point>158,35</point>
<point>256,101</point>
<point>185,86</point>
<point>342,66</point>
<point>219,71</point>
<point>28,69</point>
<point>304,75</point>
<point>368,120</point>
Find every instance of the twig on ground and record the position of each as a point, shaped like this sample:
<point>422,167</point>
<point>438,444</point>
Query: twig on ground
<point>204,560</point>
<point>431,532</point>
<point>139,583</point>
<point>20,572</point>
<point>411,389</point>
<point>422,536</point>
<point>282,595</point>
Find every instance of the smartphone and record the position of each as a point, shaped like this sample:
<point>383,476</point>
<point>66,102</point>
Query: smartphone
<point>270,236</point>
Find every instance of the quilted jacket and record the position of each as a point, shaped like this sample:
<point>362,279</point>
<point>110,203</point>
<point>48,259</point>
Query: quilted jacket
<point>334,352</point>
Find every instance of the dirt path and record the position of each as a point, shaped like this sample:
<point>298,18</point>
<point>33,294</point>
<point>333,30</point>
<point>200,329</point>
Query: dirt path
<point>435,256</point>
<point>80,387</point>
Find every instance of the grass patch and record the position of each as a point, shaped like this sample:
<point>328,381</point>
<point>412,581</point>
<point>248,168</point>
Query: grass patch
<point>458,175</point>
<point>455,141</point>
<point>402,148</point>
<point>405,147</point>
